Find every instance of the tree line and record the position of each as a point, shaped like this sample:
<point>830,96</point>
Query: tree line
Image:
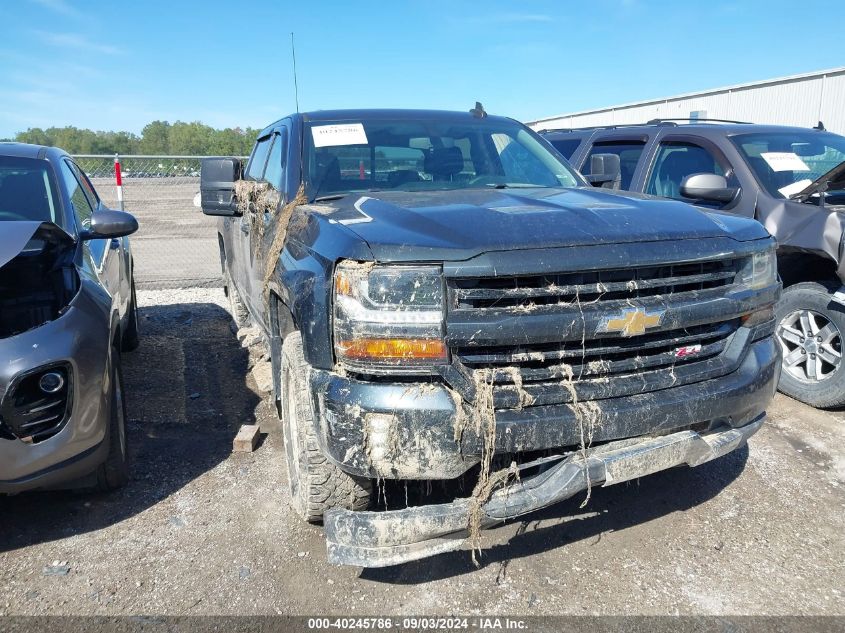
<point>158,137</point>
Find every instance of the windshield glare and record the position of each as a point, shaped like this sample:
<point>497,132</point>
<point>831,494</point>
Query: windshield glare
<point>424,155</point>
<point>785,163</point>
<point>26,191</point>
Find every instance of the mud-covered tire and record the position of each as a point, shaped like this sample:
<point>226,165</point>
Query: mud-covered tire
<point>237,308</point>
<point>809,307</point>
<point>114,472</point>
<point>130,340</point>
<point>316,485</point>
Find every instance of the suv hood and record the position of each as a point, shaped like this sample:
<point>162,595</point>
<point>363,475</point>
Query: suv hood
<point>461,224</point>
<point>14,236</point>
<point>833,180</point>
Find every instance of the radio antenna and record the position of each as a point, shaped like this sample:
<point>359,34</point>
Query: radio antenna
<point>295,84</point>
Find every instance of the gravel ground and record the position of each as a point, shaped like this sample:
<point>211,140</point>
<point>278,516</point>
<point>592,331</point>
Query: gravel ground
<point>200,530</point>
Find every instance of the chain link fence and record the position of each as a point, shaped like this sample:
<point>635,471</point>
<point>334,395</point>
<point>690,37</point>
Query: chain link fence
<point>176,245</point>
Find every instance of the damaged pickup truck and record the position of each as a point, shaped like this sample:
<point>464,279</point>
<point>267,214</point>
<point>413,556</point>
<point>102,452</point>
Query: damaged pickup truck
<point>67,310</point>
<point>445,300</point>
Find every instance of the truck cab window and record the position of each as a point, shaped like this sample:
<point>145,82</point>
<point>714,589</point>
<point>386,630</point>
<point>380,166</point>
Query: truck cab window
<point>676,161</point>
<point>629,153</point>
<point>566,147</point>
<point>257,162</point>
<point>275,163</point>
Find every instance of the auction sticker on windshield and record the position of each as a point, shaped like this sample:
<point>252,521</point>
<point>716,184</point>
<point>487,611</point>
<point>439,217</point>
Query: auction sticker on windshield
<point>339,134</point>
<point>784,161</point>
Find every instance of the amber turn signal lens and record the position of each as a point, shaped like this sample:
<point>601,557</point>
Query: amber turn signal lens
<point>342,284</point>
<point>395,349</point>
<point>760,316</point>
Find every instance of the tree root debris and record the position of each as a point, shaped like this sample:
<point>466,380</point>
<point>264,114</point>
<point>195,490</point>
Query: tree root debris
<point>278,243</point>
<point>480,495</point>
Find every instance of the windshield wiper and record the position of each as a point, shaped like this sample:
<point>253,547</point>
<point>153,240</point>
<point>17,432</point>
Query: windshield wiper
<point>331,196</point>
<point>515,185</point>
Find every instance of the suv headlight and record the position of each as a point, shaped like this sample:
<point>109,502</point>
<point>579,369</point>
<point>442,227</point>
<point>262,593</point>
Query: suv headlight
<point>760,270</point>
<point>388,316</point>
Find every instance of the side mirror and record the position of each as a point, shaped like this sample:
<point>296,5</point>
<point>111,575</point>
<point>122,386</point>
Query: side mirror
<point>108,224</point>
<point>708,187</point>
<point>217,186</point>
<point>604,169</point>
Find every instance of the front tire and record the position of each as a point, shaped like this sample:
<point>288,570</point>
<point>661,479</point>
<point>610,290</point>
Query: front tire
<point>316,485</point>
<point>810,326</point>
<point>114,472</point>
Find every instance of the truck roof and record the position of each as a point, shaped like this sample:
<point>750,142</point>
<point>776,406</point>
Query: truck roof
<point>383,113</point>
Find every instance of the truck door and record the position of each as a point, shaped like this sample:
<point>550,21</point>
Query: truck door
<point>681,155</point>
<point>244,226</point>
<point>274,177</point>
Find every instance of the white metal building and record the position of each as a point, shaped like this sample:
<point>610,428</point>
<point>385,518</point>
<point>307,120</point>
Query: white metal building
<point>801,100</point>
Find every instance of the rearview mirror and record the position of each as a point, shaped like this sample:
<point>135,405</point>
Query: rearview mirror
<point>107,224</point>
<point>217,186</point>
<point>708,187</point>
<point>604,169</point>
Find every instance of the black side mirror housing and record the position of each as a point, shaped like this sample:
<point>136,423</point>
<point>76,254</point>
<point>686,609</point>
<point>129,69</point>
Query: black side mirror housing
<point>604,169</point>
<point>109,224</point>
<point>217,186</point>
<point>708,187</point>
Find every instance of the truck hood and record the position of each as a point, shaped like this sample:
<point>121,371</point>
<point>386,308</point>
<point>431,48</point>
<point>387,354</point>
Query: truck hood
<point>14,237</point>
<point>464,223</point>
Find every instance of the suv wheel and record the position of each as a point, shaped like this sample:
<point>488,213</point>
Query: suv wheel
<point>810,326</point>
<point>130,339</point>
<point>316,485</point>
<point>114,472</point>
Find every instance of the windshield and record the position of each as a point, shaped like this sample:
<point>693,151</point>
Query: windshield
<point>425,155</point>
<point>785,163</point>
<point>26,190</point>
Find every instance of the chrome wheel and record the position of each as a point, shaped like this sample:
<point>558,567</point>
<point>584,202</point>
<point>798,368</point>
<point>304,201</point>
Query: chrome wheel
<point>812,345</point>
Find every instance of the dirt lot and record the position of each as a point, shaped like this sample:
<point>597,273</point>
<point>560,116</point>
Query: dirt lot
<point>202,531</point>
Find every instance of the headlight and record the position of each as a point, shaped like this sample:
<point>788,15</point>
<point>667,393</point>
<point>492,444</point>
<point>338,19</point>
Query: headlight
<point>388,316</point>
<point>759,270</point>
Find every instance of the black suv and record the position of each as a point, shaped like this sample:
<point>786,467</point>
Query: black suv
<point>790,179</point>
<point>445,299</point>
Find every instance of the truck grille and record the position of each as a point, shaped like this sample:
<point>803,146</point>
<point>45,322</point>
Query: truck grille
<point>515,330</point>
<point>602,285</point>
<point>605,356</point>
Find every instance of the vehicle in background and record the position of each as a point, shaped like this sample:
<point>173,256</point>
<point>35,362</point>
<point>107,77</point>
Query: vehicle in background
<point>791,179</point>
<point>67,310</point>
<point>445,299</point>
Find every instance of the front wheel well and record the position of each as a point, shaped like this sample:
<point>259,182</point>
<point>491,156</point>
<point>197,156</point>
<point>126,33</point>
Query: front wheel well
<point>796,267</point>
<point>282,323</point>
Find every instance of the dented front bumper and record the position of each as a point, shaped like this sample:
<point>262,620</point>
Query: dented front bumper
<point>380,539</point>
<point>407,430</point>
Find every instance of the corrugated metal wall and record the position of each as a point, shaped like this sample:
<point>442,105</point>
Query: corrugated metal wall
<point>801,100</point>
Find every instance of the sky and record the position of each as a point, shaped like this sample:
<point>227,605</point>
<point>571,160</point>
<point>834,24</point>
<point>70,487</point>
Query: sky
<point>109,65</point>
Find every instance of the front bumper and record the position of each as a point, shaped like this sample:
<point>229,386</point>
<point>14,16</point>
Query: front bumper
<point>80,338</point>
<point>380,539</point>
<point>408,430</point>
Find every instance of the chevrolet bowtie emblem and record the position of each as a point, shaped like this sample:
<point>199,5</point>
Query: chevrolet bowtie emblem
<point>631,322</point>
